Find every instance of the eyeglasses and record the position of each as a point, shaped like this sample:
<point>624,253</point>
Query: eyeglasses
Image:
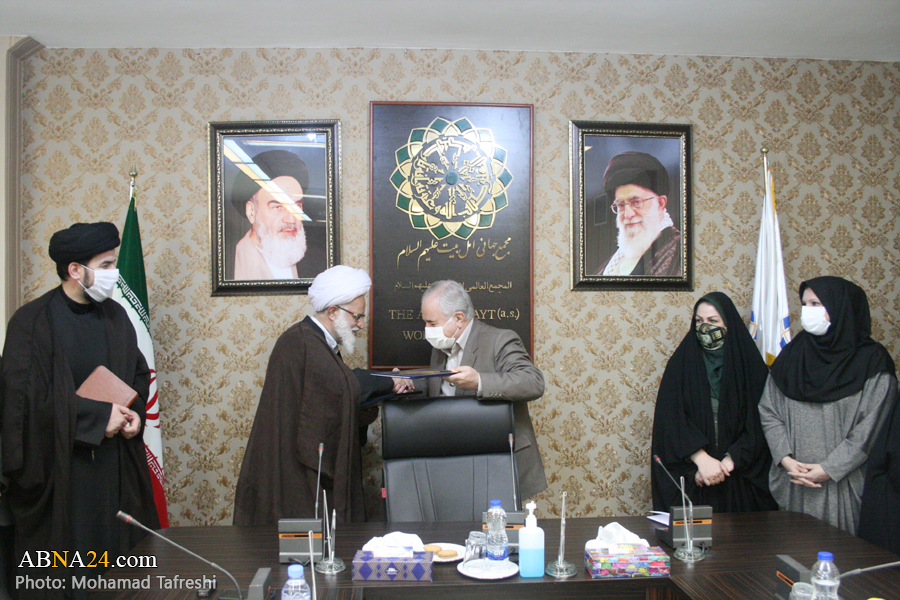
<point>634,202</point>
<point>356,316</point>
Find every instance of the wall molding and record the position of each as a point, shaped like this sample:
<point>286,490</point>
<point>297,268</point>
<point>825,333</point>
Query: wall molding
<point>15,58</point>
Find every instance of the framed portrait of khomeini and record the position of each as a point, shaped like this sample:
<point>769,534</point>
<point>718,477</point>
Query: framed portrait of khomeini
<point>630,206</point>
<point>274,202</point>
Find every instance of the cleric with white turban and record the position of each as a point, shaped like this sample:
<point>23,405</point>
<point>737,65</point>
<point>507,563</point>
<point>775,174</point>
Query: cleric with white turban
<point>338,285</point>
<point>311,396</point>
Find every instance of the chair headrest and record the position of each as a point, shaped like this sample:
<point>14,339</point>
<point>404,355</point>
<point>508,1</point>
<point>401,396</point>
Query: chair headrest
<point>457,426</point>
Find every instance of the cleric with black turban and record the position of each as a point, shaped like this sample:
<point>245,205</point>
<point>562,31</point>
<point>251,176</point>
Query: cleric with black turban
<point>81,242</point>
<point>72,460</point>
<point>635,168</point>
<point>649,244</point>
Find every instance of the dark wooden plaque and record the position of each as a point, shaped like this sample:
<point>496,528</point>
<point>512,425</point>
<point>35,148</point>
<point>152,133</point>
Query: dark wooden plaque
<point>451,197</point>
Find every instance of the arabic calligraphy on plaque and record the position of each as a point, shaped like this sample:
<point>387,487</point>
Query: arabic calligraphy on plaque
<point>451,178</point>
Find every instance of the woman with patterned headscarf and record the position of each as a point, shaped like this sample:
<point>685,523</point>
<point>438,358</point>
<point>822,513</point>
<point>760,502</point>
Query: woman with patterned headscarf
<point>706,426</point>
<point>829,391</point>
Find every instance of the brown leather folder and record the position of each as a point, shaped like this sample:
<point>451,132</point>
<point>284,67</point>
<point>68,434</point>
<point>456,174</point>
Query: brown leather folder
<point>103,385</point>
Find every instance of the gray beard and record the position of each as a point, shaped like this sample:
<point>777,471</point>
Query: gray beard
<point>281,253</point>
<point>345,336</point>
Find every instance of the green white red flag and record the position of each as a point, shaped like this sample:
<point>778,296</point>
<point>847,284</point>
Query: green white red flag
<point>131,293</point>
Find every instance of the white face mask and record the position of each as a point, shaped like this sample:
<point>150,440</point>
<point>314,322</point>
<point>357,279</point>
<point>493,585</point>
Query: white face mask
<point>104,283</point>
<point>437,339</point>
<point>812,318</point>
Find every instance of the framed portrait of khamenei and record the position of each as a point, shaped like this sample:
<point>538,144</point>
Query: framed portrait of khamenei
<point>631,206</point>
<point>274,202</point>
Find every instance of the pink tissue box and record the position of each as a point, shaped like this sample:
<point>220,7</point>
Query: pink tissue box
<point>370,568</point>
<point>627,560</point>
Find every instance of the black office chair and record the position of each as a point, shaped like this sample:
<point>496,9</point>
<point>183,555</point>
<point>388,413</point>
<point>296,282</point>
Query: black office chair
<point>445,459</point>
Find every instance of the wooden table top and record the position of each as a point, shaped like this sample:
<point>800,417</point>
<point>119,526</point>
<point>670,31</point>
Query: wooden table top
<point>741,563</point>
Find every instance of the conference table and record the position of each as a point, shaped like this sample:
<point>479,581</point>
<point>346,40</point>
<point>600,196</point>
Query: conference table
<point>740,564</point>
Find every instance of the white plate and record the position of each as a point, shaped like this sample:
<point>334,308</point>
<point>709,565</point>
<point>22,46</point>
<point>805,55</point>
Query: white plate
<point>460,552</point>
<point>509,569</point>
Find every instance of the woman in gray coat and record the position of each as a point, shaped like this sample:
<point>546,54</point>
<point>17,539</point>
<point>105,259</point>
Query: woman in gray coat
<point>827,395</point>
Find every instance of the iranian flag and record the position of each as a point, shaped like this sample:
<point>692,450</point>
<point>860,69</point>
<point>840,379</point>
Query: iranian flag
<point>131,293</point>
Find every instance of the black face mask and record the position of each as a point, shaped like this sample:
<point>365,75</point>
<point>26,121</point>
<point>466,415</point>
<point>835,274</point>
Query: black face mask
<point>710,336</point>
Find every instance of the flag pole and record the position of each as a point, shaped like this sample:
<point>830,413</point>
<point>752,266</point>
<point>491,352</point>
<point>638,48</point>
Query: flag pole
<point>765,153</point>
<point>133,174</point>
<point>131,294</point>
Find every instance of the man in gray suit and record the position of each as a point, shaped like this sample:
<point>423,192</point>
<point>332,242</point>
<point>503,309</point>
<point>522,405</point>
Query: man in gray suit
<point>487,362</point>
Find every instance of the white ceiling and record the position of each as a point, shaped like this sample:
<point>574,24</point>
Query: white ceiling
<point>825,29</point>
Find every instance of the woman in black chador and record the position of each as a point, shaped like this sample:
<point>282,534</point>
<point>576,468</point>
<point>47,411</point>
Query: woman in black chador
<point>706,426</point>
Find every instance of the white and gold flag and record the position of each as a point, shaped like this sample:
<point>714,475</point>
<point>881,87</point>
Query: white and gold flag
<point>770,320</point>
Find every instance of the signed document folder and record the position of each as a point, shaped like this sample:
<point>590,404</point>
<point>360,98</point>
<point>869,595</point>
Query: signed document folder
<point>415,373</point>
<point>103,385</point>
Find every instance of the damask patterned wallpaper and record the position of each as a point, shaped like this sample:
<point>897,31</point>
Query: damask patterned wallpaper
<point>833,129</point>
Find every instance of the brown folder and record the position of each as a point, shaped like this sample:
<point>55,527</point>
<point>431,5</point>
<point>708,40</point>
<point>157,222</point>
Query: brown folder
<point>103,385</point>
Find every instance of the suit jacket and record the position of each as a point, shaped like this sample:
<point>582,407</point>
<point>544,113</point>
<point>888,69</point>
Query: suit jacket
<point>507,373</point>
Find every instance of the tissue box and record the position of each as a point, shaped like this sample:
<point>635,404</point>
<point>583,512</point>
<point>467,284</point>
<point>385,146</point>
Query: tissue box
<point>627,560</point>
<point>370,568</point>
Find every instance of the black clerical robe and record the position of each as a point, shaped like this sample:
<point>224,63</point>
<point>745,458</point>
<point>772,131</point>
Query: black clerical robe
<point>40,415</point>
<point>309,397</point>
<point>662,258</point>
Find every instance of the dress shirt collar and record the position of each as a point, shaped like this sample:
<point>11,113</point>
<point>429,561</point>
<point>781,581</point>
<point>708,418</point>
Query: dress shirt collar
<point>461,341</point>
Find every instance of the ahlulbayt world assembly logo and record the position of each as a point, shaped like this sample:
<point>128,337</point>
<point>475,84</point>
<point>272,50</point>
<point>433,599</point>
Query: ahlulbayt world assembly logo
<point>451,178</point>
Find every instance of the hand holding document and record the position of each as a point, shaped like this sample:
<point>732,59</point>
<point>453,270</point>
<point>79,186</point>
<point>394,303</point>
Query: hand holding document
<point>415,373</point>
<point>402,385</point>
<point>465,378</point>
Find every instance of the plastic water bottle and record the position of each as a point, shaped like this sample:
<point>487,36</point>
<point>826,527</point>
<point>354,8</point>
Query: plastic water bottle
<point>825,577</point>
<point>295,588</point>
<point>497,541</point>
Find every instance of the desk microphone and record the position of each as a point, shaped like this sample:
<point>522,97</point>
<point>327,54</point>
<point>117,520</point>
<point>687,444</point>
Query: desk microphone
<point>867,569</point>
<point>686,552</point>
<point>122,516</point>
<point>659,461</point>
<point>318,478</point>
<point>512,462</point>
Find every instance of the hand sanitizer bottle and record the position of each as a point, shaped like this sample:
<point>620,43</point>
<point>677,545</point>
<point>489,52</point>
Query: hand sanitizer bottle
<point>531,546</point>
